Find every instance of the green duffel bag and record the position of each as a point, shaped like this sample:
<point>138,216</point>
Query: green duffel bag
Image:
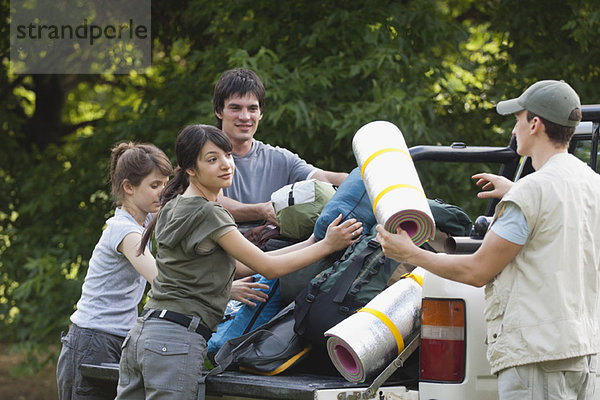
<point>450,218</point>
<point>298,206</point>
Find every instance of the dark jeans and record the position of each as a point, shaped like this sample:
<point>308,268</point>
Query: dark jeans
<point>86,346</point>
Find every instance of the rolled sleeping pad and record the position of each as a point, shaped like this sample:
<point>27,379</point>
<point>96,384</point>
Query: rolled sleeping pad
<point>392,182</point>
<point>363,344</point>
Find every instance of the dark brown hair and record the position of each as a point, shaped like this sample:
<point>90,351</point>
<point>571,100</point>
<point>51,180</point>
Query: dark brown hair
<point>239,81</point>
<point>188,146</point>
<point>559,134</point>
<point>133,162</point>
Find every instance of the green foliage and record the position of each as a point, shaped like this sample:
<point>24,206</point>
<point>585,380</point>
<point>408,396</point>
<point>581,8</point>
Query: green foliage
<point>435,68</point>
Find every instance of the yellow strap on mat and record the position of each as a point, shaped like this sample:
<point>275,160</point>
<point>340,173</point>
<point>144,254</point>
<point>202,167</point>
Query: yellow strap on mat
<point>388,322</point>
<point>378,153</point>
<point>414,277</point>
<point>390,188</point>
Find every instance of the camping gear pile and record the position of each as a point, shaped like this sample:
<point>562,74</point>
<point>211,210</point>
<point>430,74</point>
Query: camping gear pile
<point>359,307</point>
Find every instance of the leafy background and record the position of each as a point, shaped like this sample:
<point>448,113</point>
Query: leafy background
<point>435,68</point>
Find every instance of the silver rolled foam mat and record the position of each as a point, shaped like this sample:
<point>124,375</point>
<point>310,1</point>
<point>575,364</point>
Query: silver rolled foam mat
<point>392,182</point>
<point>363,344</point>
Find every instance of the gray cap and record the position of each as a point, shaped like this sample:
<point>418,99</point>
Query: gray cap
<point>551,100</point>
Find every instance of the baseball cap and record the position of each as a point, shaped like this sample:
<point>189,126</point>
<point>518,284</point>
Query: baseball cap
<point>551,100</point>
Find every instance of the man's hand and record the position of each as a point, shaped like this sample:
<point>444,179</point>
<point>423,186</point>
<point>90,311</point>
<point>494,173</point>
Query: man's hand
<point>499,185</point>
<point>268,213</point>
<point>245,290</point>
<point>249,212</point>
<point>398,246</point>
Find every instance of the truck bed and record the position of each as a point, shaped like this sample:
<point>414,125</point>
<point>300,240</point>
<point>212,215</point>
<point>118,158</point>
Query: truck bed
<point>296,386</point>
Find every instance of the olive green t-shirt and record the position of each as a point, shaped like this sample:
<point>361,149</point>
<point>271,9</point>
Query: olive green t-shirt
<point>190,281</point>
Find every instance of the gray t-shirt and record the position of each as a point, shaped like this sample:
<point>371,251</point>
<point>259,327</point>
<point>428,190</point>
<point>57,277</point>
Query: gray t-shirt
<point>512,225</point>
<point>112,288</point>
<point>264,170</point>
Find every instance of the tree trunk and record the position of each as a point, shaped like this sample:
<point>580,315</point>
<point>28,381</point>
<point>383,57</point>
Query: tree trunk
<point>46,125</point>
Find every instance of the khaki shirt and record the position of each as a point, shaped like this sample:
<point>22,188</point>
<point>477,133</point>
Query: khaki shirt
<point>191,280</point>
<point>544,304</point>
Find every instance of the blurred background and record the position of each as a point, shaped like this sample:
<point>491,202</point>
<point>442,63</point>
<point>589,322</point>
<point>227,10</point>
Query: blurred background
<point>435,68</point>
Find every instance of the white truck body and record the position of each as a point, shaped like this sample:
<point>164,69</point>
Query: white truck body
<point>479,383</point>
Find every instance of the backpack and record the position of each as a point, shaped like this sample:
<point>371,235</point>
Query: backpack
<point>350,200</point>
<point>269,350</point>
<point>244,318</point>
<point>337,292</point>
<point>298,206</point>
<point>293,283</point>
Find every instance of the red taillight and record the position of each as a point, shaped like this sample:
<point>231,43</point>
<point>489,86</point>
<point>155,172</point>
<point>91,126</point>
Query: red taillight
<point>443,341</point>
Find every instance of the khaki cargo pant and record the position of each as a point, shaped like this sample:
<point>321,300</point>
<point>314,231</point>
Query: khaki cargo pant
<point>162,360</point>
<point>573,378</point>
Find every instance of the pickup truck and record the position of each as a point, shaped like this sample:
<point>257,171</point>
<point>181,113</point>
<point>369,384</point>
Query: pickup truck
<point>451,362</point>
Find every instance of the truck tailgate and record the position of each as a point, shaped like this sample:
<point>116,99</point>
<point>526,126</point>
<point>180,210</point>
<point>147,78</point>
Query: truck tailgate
<point>239,385</point>
<point>297,386</point>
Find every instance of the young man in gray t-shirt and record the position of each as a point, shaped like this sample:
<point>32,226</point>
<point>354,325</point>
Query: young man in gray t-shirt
<point>261,169</point>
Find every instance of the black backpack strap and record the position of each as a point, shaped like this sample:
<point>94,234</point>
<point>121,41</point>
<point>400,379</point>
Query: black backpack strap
<point>291,201</point>
<point>261,307</point>
<point>233,347</point>
<point>304,303</point>
<point>374,265</point>
<point>427,246</point>
<point>343,283</point>
<point>305,299</point>
<point>358,202</point>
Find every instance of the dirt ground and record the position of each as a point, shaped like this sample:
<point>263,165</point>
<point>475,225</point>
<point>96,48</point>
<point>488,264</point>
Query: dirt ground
<point>41,386</point>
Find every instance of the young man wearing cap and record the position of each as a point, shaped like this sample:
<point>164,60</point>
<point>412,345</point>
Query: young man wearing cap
<point>540,260</point>
<point>260,169</point>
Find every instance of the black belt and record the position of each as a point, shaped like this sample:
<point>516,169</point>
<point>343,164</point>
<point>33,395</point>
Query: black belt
<point>180,319</point>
